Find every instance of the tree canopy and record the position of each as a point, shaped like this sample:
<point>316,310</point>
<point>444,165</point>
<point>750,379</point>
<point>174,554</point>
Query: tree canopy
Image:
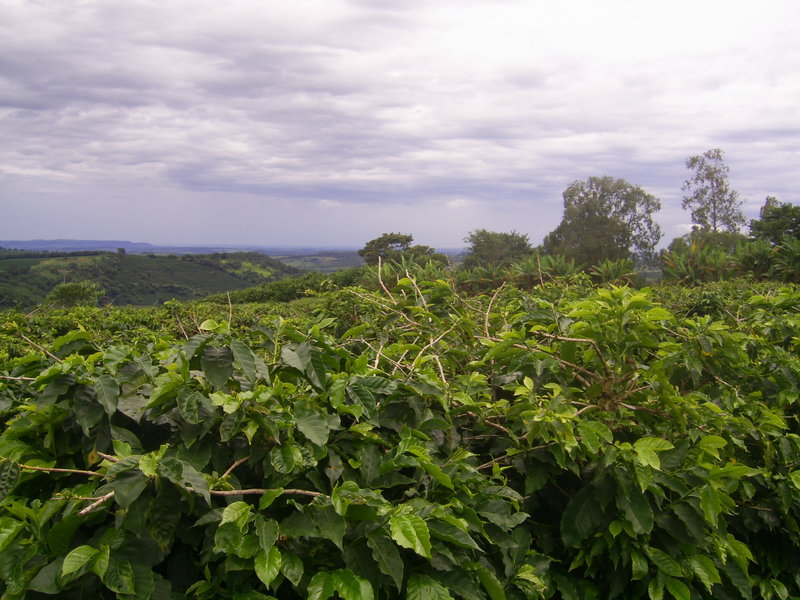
<point>494,248</point>
<point>776,220</point>
<point>709,197</point>
<point>396,247</point>
<point>605,218</point>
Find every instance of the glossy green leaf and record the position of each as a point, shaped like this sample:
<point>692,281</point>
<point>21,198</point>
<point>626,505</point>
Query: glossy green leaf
<point>292,567</point>
<point>387,556</point>
<point>711,504</point>
<point>268,565</point>
<point>217,365</point>
<point>677,588</point>
<point>189,403</point>
<point>422,587</point>
<point>410,531</point>
<point>119,577</point>
<point>664,562</point>
<point>637,510</point>
<point>107,391</point>
<point>450,533</point>
<point>311,423</point>
<point>351,587</point>
<point>491,583</point>
<point>128,487</point>
<point>238,513</point>
<point>77,558</point>
<point>321,586</point>
<point>704,569</point>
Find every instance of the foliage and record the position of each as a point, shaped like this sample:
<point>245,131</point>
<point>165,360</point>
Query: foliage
<point>495,249</point>
<point>396,247</point>
<point>709,197</point>
<point>605,219</point>
<point>79,293</point>
<point>776,220</point>
<point>133,279</point>
<point>619,272</point>
<point>576,443</point>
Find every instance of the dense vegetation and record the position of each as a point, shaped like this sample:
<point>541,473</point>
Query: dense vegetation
<point>408,438</point>
<point>26,278</point>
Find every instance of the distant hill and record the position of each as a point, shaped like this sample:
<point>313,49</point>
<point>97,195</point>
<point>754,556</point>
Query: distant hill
<point>26,276</point>
<point>63,245</point>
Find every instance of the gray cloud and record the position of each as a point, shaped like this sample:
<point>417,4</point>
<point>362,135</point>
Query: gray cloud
<point>333,120</point>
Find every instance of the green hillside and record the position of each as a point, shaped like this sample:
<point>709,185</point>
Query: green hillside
<point>26,278</point>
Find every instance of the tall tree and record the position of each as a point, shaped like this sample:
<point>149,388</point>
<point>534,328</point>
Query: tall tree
<point>709,197</point>
<point>396,246</point>
<point>605,218</point>
<point>492,248</point>
<point>776,220</point>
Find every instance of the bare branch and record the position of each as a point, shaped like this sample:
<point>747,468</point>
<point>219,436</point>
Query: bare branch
<point>55,470</point>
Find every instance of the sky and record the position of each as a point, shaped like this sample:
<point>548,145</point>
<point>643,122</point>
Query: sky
<point>330,122</point>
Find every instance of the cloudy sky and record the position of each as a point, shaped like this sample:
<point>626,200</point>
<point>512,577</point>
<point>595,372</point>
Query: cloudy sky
<point>329,122</point>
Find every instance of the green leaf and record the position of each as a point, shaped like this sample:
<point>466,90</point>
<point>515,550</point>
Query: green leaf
<point>239,513</point>
<point>490,583</point>
<point>581,517</point>
<point>794,476</point>
<point>311,424</point>
<point>738,577</point>
<point>647,448</point>
<point>75,560</point>
<point>119,577</point>
<point>308,361</point>
<point>189,402</point>
<point>268,497</point>
<point>245,357</point>
<point>268,565</point>
<point>329,524</point>
<point>107,392</point>
<point>711,504</point>
<point>350,586</point>
<point>677,588</point>
<point>228,538</point>
<point>267,532</point>
<point>422,587</point>
<point>387,556</point>
<point>592,432</point>
<point>46,580</point>
<point>128,487</point>
<point>639,566</point>
<point>693,520</point>
<point>283,457</point>
<point>705,570</point>
<point>655,589</point>
<point>710,444</point>
<point>664,562</point>
<point>637,509</point>
<point>292,567</point>
<point>217,365</point>
<point>410,531</point>
<point>321,586</point>
<point>450,533</point>
<point>9,477</point>
<point>100,562</point>
<point>652,443</point>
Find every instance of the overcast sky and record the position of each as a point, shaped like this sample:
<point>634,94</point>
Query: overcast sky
<point>329,122</point>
